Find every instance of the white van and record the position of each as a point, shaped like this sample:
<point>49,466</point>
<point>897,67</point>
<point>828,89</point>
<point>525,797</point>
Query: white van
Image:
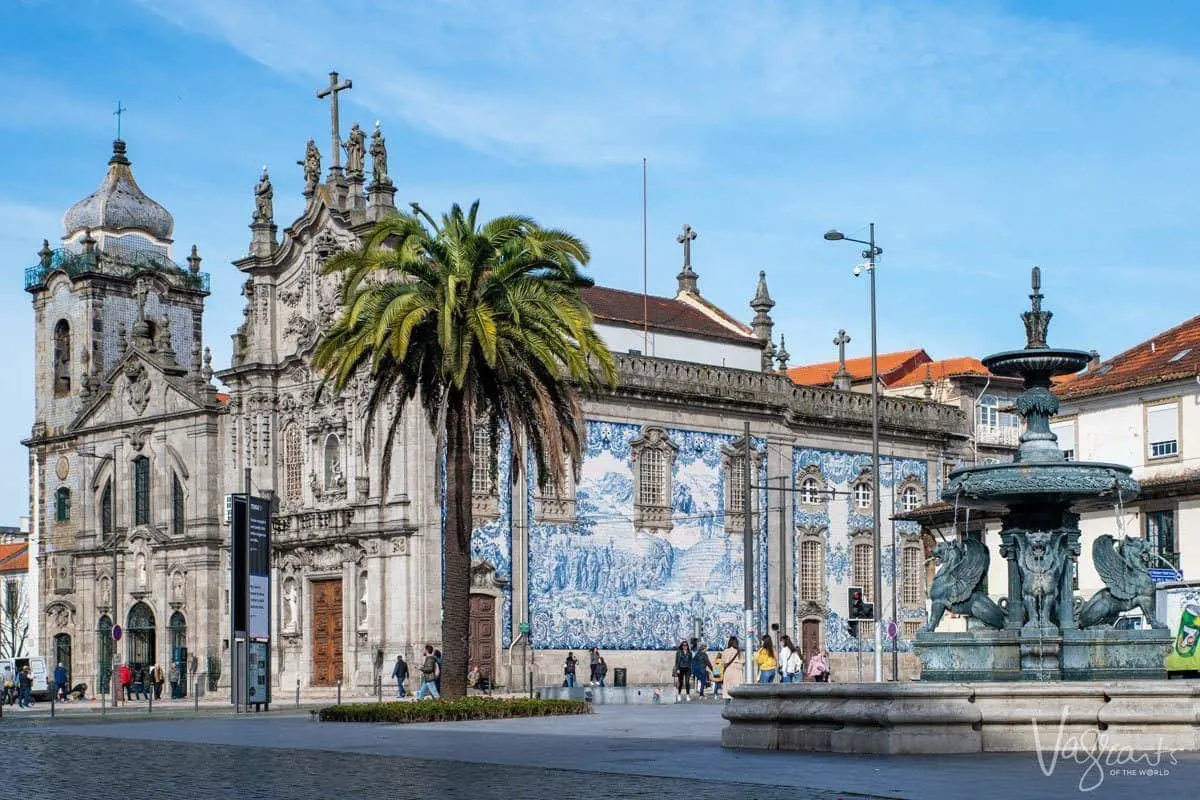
<point>10,668</point>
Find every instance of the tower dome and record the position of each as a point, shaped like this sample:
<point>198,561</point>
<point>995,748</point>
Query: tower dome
<point>119,205</point>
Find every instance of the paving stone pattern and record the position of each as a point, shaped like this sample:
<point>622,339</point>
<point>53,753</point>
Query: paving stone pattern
<point>48,765</point>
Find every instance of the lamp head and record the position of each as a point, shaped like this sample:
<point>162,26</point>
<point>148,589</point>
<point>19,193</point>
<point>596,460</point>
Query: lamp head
<point>834,236</point>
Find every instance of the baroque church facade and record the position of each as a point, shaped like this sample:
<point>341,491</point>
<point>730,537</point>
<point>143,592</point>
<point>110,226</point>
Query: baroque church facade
<point>134,451</point>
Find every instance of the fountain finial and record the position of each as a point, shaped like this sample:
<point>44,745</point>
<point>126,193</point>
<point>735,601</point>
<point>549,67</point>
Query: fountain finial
<point>1037,321</point>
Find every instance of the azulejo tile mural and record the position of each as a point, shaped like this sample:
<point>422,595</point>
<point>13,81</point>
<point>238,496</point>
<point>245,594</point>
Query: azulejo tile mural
<point>601,582</point>
<point>840,518</point>
<point>491,540</point>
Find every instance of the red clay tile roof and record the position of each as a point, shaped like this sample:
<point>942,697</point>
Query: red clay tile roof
<point>940,370</point>
<point>14,557</point>
<point>223,398</point>
<point>891,366</point>
<point>1169,356</point>
<point>619,307</point>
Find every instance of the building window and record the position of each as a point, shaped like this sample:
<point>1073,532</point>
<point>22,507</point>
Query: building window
<point>62,358</point>
<point>812,568</point>
<point>62,504</point>
<point>864,570</point>
<point>911,628</point>
<point>177,520</point>
<point>1065,432</point>
<point>1162,429</point>
<point>810,491</point>
<point>12,601</point>
<point>737,485</point>
<point>989,411</point>
<point>914,583</point>
<point>862,494</point>
<point>106,508</point>
<point>483,477</point>
<point>1160,532</point>
<point>141,491</point>
<point>910,499</point>
<point>293,463</point>
<point>653,460</point>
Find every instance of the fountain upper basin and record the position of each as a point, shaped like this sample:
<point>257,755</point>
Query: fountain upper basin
<point>1076,483</point>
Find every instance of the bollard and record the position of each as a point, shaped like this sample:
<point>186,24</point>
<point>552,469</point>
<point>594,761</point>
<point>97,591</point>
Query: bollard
<point>196,696</point>
<point>297,692</point>
<point>103,704</point>
<point>150,696</point>
<point>379,689</point>
<point>339,702</point>
<point>53,694</point>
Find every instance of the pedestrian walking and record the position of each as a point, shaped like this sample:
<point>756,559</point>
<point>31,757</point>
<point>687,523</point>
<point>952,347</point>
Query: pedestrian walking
<point>601,671</point>
<point>593,666</point>
<point>791,667</point>
<point>569,670</point>
<point>60,682</point>
<point>173,677</point>
<point>25,688</point>
<point>157,679</point>
<point>437,679</point>
<point>733,665</point>
<point>765,658</point>
<point>429,675</point>
<point>400,673</point>
<point>818,668</point>
<point>701,667</point>
<point>683,673</point>
<point>718,674</point>
<point>125,674</point>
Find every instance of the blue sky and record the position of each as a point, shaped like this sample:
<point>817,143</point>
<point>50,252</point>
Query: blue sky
<point>982,138</point>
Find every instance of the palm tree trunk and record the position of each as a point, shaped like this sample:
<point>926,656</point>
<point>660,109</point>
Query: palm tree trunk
<point>457,549</point>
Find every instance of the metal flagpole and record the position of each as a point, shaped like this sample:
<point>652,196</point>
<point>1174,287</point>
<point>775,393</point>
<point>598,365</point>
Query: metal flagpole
<point>645,287</point>
<point>876,578</point>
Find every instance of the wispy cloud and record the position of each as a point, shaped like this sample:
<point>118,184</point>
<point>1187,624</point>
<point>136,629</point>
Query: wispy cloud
<point>589,83</point>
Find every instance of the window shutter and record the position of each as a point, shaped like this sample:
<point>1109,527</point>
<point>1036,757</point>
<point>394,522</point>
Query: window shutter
<point>1162,423</point>
<point>1065,431</point>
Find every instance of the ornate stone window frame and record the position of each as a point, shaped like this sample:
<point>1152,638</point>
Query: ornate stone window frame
<point>902,490</point>
<point>653,513</point>
<point>820,498</point>
<point>863,539</point>
<point>731,471</point>
<point>552,504</point>
<point>912,597</point>
<point>485,501</point>
<point>861,487</point>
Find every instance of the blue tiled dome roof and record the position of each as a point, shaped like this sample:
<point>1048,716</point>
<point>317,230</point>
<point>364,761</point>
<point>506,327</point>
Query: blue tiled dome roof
<point>119,204</point>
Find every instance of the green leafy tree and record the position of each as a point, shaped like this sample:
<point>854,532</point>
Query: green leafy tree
<point>480,324</point>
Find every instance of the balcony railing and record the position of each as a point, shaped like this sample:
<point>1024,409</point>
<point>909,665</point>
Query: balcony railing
<point>125,264</point>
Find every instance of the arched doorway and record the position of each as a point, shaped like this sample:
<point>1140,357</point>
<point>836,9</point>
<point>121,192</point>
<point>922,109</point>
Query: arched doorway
<point>62,655</point>
<point>178,633</point>
<point>104,657</point>
<point>140,632</point>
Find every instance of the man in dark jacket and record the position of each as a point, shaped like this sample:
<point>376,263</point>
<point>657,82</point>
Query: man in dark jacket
<point>701,667</point>
<point>60,681</point>
<point>400,673</point>
<point>429,675</point>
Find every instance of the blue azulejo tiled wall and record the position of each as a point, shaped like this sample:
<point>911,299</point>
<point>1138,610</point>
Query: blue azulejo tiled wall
<point>840,519</point>
<point>491,539</point>
<point>601,582</point>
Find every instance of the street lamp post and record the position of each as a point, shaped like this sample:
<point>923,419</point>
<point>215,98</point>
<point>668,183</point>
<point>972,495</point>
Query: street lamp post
<point>870,253</point>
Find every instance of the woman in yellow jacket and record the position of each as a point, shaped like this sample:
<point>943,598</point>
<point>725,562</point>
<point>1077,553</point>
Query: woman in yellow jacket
<point>765,658</point>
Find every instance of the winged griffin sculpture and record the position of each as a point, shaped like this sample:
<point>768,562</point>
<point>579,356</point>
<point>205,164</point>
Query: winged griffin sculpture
<point>1124,568</point>
<point>956,587</point>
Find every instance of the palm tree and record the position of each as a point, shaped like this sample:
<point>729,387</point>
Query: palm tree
<point>482,324</point>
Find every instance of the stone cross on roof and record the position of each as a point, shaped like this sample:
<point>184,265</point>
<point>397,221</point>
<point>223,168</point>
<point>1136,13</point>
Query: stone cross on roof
<point>687,277</point>
<point>331,91</point>
<point>841,378</point>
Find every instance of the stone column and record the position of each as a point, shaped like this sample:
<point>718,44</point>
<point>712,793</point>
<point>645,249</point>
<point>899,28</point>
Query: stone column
<point>1068,540</point>
<point>1016,608</point>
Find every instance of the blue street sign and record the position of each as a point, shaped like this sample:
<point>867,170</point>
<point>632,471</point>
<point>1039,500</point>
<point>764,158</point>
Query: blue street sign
<point>1165,575</point>
<point>116,632</point>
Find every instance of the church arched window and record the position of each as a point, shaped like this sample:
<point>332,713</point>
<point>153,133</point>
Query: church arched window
<point>293,463</point>
<point>177,519</point>
<point>106,508</point>
<point>62,358</point>
<point>62,504</point>
<point>141,491</point>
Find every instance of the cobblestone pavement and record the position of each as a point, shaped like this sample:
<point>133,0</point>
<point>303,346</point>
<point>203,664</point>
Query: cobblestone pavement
<point>620,751</point>
<point>46,765</point>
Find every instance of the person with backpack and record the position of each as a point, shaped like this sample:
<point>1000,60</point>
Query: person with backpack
<point>60,682</point>
<point>429,675</point>
<point>718,674</point>
<point>701,667</point>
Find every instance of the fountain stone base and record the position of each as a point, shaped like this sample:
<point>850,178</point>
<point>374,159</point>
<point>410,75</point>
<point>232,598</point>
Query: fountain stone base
<point>1043,655</point>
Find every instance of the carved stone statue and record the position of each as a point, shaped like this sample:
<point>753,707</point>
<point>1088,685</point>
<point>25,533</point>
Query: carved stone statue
<point>290,605</point>
<point>956,587</point>
<point>334,477</point>
<point>1124,568</point>
<point>1040,559</point>
<point>355,148</point>
<point>264,199</point>
<point>141,569</point>
<point>177,587</point>
<point>312,168</point>
<point>379,167</point>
